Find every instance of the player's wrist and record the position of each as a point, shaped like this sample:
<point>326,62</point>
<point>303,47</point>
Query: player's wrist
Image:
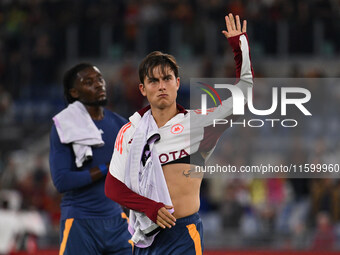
<point>234,42</point>
<point>103,169</point>
<point>153,211</point>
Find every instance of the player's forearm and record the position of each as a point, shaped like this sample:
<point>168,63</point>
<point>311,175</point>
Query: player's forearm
<point>244,77</point>
<point>244,70</point>
<point>241,50</point>
<point>120,193</point>
<point>65,180</point>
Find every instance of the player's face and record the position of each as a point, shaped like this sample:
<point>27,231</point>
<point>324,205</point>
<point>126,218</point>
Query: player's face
<point>161,88</point>
<point>89,87</point>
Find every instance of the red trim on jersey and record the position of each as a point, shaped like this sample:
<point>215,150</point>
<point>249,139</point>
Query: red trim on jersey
<point>120,136</point>
<point>181,109</point>
<point>145,109</point>
<point>120,193</point>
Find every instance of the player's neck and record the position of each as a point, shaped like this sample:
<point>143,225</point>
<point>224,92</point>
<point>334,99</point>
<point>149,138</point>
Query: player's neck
<point>96,112</point>
<point>162,116</point>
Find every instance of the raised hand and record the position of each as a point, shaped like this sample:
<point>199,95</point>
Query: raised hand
<point>234,29</point>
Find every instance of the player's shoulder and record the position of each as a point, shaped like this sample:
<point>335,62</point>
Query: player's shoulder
<point>124,136</point>
<point>115,116</point>
<point>54,136</point>
<point>127,129</point>
<point>53,130</point>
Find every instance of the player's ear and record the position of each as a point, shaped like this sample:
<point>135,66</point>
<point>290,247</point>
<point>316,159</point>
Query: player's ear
<point>178,82</point>
<point>74,93</point>
<point>142,89</point>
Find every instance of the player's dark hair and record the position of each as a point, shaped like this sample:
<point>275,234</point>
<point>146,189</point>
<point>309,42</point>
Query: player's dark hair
<point>70,77</point>
<point>155,59</point>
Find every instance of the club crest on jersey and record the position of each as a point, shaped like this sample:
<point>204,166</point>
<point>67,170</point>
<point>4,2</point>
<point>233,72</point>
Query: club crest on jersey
<point>177,129</point>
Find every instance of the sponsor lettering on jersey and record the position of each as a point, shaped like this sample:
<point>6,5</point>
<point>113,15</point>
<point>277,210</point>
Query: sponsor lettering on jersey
<point>171,156</point>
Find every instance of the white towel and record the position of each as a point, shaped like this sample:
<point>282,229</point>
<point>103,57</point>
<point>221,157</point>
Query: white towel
<point>145,180</point>
<point>74,125</point>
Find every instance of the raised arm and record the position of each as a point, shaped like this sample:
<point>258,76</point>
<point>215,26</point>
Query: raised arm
<point>236,35</point>
<point>238,40</point>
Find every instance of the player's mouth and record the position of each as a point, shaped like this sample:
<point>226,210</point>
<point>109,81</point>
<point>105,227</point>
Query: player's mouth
<point>101,93</point>
<point>163,95</point>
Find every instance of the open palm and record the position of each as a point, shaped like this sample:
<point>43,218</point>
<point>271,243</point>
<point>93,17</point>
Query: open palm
<point>234,29</point>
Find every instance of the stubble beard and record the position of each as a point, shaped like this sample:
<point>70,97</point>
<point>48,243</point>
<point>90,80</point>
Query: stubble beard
<point>96,103</point>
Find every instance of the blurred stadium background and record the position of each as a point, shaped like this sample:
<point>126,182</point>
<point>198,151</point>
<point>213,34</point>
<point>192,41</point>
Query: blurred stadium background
<point>40,39</point>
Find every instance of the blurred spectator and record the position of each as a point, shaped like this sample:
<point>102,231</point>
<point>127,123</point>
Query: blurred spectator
<point>6,106</point>
<point>231,210</point>
<point>20,229</point>
<point>9,227</point>
<point>43,62</point>
<point>130,25</point>
<point>336,202</point>
<point>299,239</point>
<point>34,187</point>
<point>123,88</point>
<point>207,68</point>
<point>129,84</point>
<point>9,176</point>
<point>324,238</point>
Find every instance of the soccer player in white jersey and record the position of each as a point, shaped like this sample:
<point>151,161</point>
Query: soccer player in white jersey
<point>181,227</point>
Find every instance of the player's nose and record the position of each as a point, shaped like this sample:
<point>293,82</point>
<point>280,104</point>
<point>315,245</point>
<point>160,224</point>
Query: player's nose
<point>162,85</point>
<point>99,83</point>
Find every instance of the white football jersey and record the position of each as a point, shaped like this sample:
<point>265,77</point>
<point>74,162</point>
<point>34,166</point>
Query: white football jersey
<point>187,133</point>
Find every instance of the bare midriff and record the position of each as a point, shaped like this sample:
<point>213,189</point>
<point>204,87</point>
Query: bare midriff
<point>184,188</point>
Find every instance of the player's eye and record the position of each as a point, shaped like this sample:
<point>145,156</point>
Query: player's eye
<point>88,82</point>
<point>153,81</point>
